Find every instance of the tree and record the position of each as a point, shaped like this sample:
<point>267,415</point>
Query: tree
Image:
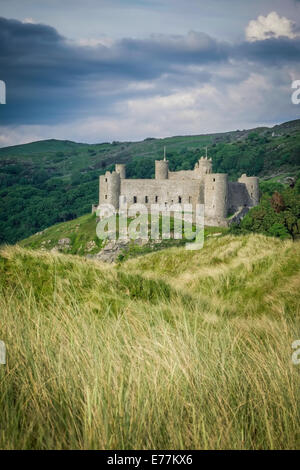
<point>291,213</point>
<point>277,215</point>
<point>277,202</point>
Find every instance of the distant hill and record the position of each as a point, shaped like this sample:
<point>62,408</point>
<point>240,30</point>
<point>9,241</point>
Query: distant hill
<point>51,181</point>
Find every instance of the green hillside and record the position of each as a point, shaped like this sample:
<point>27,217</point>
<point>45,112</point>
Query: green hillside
<point>82,240</point>
<point>81,233</point>
<point>53,181</point>
<point>196,343</point>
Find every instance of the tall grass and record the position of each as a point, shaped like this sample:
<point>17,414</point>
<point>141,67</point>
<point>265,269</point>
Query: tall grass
<point>145,356</point>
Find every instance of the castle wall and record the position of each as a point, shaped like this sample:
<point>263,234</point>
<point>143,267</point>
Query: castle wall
<point>160,192</point>
<point>184,175</point>
<point>202,168</point>
<point>237,196</point>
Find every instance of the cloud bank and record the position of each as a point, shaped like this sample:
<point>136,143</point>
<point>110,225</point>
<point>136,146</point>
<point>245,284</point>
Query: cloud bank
<point>130,88</point>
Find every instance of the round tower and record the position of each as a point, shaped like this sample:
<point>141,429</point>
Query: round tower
<point>121,169</point>
<point>103,188</point>
<point>161,169</point>
<point>252,185</point>
<point>110,189</point>
<point>216,195</point>
<point>204,166</point>
<point>114,189</point>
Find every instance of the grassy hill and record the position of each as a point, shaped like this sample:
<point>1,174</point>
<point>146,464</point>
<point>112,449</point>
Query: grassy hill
<point>53,181</point>
<point>176,349</point>
<point>82,238</point>
<point>81,232</point>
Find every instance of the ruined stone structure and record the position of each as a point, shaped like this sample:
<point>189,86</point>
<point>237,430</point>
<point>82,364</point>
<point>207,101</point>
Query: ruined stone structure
<point>224,201</point>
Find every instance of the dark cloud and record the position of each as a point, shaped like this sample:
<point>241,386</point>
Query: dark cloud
<point>271,51</point>
<point>51,80</point>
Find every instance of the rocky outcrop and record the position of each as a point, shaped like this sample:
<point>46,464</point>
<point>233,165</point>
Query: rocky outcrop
<point>238,215</point>
<point>114,248</point>
<point>64,242</point>
<point>63,245</point>
<point>91,245</point>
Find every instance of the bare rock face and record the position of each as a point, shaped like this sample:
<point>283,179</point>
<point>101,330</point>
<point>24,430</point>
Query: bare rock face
<point>91,245</point>
<point>64,242</point>
<point>113,248</point>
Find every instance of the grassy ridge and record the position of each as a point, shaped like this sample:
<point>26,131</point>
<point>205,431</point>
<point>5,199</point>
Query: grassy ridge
<point>176,349</point>
<point>81,233</point>
<point>83,239</point>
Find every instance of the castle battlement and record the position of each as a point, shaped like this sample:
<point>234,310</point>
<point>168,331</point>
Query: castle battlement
<point>199,186</point>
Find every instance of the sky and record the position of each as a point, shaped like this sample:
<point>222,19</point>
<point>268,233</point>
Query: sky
<point>103,70</point>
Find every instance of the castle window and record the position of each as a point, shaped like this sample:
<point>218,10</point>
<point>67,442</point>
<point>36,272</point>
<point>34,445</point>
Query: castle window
<point>105,180</point>
<point>105,196</point>
<point>214,179</point>
<point>134,199</point>
<point>190,199</point>
<point>146,198</point>
<point>179,199</point>
<point>156,198</point>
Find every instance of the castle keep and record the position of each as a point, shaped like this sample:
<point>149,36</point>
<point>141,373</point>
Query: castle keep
<point>221,198</point>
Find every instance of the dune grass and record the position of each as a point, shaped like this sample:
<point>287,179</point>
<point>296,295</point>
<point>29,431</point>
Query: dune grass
<point>173,350</point>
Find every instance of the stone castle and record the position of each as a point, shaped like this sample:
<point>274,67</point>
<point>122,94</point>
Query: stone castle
<point>224,201</point>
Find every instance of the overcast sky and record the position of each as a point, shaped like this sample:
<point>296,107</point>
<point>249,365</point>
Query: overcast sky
<point>102,70</point>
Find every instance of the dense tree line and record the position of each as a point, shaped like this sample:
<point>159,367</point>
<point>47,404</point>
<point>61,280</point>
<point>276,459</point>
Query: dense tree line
<point>277,214</point>
<point>26,209</point>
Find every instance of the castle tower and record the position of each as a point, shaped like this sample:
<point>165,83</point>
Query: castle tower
<point>251,183</point>
<point>204,166</point>
<point>110,189</point>
<point>216,195</point>
<point>161,169</point>
<point>121,169</point>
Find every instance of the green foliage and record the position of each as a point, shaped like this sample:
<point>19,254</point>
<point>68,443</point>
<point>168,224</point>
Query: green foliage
<point>297,185</point>
<point>277,215</point>
<point>140,168</point>
<point>278,230</point>
<point>269,187</point>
